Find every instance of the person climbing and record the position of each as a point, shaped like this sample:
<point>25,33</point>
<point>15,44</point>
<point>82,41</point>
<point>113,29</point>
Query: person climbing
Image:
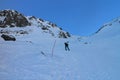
<point>67,46</point>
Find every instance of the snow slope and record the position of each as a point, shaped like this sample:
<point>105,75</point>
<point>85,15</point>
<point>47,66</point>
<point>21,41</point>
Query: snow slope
<point>22,60</point>
<point>90,58</point>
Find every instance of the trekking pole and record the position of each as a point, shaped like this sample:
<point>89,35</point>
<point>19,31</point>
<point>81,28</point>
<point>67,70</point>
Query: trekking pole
<point>53,48</point>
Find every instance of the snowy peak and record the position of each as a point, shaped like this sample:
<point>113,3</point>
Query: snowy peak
<point>48,27</point>
<point>109,29</point>
<point>13,22</point>
<point>38,21</point>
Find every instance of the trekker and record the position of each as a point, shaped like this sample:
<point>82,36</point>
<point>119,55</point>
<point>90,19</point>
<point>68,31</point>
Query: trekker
<point>67,46</point>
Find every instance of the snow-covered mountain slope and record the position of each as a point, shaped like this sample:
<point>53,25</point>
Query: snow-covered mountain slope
<point>36,55</point>
<point>15,23</point>
<point>109,29</point>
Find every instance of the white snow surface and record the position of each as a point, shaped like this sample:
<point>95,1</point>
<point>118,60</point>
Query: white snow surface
<point>2,18</point>
<point>90,58</point>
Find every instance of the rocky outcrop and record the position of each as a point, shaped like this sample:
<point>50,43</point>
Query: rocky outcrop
<point>64,34</point>
<point>12,18</point>
<point>8,37</point>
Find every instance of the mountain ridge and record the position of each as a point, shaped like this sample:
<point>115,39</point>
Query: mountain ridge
<point>12,19</point>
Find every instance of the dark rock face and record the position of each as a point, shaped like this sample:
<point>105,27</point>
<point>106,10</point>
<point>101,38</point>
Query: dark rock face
<point>12,18</point>
<point>64,34</point>
<point>8,37</point>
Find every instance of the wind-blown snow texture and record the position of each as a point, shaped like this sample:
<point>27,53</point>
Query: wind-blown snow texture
<point>91,58</point>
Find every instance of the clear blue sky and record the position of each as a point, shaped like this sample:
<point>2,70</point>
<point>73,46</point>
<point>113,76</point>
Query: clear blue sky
<point>79,17</point>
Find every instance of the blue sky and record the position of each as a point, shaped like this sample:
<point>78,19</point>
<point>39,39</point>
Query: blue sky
<point>79,17</point>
